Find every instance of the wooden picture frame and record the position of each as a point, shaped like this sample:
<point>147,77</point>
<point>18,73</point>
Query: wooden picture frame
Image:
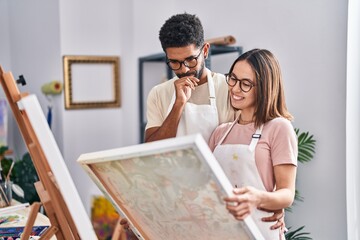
<point>91,82</point>
<point>169,189</point>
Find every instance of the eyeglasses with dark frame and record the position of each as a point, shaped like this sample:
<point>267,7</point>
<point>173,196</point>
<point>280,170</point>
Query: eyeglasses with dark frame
<point>189,62</point>
<point>245,84</point>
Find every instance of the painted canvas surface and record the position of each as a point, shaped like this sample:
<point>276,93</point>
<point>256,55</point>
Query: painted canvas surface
<point>168,192</point>
<point>3,122</point>
<point>104,217</point>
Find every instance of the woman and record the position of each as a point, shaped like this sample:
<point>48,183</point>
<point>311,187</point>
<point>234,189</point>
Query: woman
<point>258,151</point>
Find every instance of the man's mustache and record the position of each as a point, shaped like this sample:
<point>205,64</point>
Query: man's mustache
<point>188,74</point>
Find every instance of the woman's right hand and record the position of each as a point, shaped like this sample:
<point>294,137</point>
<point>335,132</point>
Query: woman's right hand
<point>242,203</point>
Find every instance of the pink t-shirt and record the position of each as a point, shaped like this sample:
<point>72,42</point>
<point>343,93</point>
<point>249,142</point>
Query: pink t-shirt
<point>277,145</point>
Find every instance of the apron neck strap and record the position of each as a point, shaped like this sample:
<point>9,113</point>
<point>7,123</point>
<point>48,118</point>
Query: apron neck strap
<point>227,132</point>
<point>211,88</point>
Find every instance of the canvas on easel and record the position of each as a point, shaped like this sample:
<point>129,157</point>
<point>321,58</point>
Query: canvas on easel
<point>169,189</point>
<point>56,189</point>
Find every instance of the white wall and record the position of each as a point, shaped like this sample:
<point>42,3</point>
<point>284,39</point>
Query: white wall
<point>308,37</point>
<point>93,28</point>
<point>31,49</point>
<point>5,60</point>
<point>352,121</point>
<point>5,36</point>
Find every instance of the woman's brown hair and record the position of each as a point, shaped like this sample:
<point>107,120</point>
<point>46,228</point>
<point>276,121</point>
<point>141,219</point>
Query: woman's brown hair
<point>270,97</point>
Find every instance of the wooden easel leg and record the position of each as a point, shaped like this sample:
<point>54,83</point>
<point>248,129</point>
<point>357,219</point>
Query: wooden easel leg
<point>46,201</point>
<point>49,233</point>
<point>31,219</point>
<point>62,205</point>
<point>56,204</point>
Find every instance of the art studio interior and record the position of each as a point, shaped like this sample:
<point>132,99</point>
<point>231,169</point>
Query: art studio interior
<point>61,49</point>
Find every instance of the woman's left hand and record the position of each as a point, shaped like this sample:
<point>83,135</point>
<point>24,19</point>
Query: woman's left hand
<point>243,202</point>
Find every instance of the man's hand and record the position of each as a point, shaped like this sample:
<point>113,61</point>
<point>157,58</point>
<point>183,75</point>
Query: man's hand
<point>278,216</point>
<point>123,231</point>
<point>183,88</point>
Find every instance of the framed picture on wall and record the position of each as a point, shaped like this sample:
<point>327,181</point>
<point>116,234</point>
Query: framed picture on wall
<point>91,82</point>
<point>169,189</point>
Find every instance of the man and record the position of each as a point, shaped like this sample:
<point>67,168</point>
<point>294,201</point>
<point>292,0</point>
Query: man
<point>196,100</point>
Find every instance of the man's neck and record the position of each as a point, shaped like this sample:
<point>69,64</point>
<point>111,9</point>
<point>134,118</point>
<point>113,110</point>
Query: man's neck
<point>203,78</point>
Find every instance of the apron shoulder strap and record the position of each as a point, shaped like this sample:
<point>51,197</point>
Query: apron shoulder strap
<point>255,138</point>
<point>227,132</point>
<point>211,87</point>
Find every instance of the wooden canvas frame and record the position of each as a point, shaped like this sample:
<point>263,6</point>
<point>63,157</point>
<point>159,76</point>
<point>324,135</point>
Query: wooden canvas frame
<point>169,189</point>
<point>59,171</point>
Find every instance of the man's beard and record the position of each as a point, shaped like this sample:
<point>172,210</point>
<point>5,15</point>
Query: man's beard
<point>195,73</point>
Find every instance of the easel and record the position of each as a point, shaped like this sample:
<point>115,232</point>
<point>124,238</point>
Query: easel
<point>62,222</point>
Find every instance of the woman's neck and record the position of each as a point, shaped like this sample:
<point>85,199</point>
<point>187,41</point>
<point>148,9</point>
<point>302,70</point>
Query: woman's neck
<point>246,118</point>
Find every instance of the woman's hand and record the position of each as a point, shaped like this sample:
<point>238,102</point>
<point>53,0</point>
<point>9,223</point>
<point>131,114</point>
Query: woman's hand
<point>243,202</point>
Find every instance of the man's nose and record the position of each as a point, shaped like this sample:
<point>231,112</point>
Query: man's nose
<point>184,68</point>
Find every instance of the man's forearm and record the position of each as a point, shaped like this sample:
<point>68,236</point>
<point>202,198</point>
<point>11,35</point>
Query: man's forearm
<point>169,127</point>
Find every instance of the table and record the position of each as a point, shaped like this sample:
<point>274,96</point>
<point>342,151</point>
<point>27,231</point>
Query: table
<point>18,218</point>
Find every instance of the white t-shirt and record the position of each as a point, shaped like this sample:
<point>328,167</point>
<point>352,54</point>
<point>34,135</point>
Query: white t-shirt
<point>160,96</point>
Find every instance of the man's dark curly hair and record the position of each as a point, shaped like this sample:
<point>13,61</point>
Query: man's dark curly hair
<point>181,30</point>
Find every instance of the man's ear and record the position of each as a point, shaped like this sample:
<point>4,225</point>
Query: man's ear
<point>206,50</point>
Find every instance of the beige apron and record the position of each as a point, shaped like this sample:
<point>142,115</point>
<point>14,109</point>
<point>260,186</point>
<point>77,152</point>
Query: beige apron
<point>201,119</point>
<point>238,163</point>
